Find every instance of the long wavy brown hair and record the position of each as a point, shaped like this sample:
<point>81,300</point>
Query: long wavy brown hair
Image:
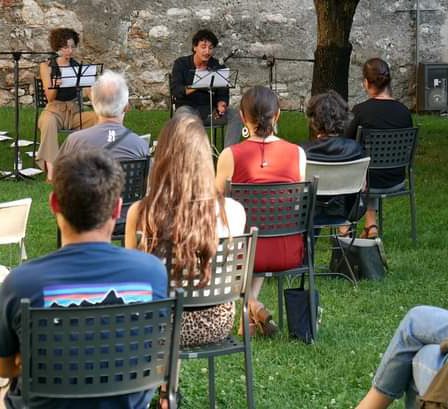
<point>180,208</point>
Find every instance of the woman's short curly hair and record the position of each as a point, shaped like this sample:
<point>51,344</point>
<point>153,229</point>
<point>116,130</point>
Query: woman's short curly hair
<point>327,113</point>
<point>59,36</point>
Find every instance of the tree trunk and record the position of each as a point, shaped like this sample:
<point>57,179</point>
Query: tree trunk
<point>332,55</point>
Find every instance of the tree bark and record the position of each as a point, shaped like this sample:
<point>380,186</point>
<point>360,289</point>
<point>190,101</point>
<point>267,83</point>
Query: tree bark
<point>332,55</point>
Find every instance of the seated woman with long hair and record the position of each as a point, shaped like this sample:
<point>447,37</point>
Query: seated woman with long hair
<point>264,158</point>
<point>184,209</point>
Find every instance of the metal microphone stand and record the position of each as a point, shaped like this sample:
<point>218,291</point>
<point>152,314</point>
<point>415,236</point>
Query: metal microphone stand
<point>271,62</point>
<point>16,55</point>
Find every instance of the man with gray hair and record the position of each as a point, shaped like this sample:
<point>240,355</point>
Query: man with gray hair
<point>109,97</point>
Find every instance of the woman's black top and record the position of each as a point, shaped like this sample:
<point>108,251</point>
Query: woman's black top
<point>63,94</point>
<point>381,114</point>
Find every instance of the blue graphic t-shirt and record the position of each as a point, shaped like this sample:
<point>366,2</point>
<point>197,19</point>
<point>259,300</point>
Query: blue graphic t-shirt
<point>78,274</point>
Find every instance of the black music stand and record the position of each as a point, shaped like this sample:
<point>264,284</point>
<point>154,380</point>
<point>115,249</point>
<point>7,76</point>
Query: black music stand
<point>211,80</point>
<point>77,76</point>
<point>16,56</point>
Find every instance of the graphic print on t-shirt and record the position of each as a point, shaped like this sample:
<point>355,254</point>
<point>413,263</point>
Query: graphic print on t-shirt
<point>91,294</point>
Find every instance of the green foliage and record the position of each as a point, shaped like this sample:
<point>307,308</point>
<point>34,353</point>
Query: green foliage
<point>357,323</point>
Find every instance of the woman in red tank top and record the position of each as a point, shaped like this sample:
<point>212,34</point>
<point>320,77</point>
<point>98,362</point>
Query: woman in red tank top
<point>264,158</point>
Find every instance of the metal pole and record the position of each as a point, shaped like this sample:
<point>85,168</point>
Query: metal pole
<point>417,51</point>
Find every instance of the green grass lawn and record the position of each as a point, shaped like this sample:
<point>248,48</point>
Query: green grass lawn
<point>357,323</point>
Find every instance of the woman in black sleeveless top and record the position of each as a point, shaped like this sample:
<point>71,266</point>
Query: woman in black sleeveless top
<point>62,110</point>
<point>380,111</point>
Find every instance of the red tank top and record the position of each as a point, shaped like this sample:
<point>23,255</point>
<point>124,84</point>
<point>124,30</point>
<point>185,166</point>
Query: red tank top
<point>281,160</point>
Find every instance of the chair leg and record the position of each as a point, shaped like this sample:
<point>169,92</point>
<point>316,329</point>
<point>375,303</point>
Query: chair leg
<point>280,301</point>
<point>215,136</point>
<point>380,216</point>
<point>22,256</point>
<point>312,299</point>
<point>249,372</point>
<point>413,209</point>
<point>344,259</point>
<point>211,382</point>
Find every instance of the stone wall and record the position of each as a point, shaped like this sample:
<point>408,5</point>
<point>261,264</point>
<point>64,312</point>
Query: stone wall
<point>142,38</point>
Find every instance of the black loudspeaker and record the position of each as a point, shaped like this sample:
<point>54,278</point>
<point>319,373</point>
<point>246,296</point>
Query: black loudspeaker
<point>432,87</point>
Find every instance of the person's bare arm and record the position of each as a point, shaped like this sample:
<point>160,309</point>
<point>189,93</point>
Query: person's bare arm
<point>224,169</point>
<point>302,164</point>
<point>45,76</point>
<point>130,236</point>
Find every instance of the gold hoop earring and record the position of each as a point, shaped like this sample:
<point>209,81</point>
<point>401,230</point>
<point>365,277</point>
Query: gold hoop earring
<point>245,132</point>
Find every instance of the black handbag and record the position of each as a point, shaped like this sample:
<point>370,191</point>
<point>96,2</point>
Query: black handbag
<point>366,257</point>
<point>297,304</point>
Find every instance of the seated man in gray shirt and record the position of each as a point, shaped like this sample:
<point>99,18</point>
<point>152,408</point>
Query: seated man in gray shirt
<point>110,96</point>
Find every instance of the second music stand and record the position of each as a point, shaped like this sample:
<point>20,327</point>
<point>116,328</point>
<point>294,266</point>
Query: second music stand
<point>211,80</point>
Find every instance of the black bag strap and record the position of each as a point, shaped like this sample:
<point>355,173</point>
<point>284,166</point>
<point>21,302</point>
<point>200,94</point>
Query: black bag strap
<point>115,142</point>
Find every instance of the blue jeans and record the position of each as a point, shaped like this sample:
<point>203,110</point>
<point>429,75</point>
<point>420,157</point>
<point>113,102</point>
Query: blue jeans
<point>413,356</point>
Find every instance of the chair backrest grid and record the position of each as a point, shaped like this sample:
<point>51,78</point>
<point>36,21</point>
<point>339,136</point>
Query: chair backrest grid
<point>389,148</point>
<point>97,351</point>
<point>136,173</point>
<point>339,178</point>
<point>40,100</point>
<point>231,271</point>
<point>276,209</point>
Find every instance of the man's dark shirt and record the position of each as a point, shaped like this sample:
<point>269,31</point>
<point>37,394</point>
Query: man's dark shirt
<point>183,75</point>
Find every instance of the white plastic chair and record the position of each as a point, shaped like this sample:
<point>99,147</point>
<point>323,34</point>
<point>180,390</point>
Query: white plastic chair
<point>339,179</point>
<point>13,222</point>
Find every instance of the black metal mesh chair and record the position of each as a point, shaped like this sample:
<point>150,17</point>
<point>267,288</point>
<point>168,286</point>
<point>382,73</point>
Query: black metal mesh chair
<point>100,351</point>
<point>389,149</point>
<point>135,182</point>
<point>282,209</point>
<point>40,102</point>
<point>136,174</point>
<point>232,268</point>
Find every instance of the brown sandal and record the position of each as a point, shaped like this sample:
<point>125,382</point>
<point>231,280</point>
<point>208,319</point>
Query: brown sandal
<point>263,319</point>
<point>366,234</point>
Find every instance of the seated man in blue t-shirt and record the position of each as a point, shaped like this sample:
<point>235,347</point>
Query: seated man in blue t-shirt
<point>87,270</point>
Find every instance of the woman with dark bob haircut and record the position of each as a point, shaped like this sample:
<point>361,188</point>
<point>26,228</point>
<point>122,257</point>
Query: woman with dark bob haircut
<point>264,158</point>
<point>62,110</point>
<point>380,111</point>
